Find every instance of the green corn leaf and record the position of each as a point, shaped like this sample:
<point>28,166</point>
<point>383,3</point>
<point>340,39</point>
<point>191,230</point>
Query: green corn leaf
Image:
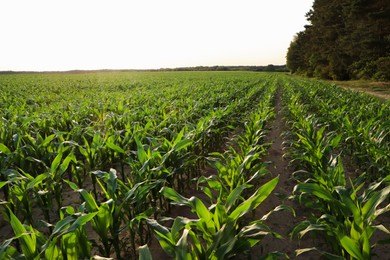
<point>373,202</point>
<point>164,237</point>
<point>349,203</point>
<point>72,185</point>
<point>213,181</point>
<point>304,227</point>
<point>48,140</point>
<point>56,163</point>
<point>3,183</point>
<point>158,227</point>
<point>205,190</point>
<point>201,211</point>
<point>4,149</point>
<point>37,180</point>
<point>182,247</point>
<point>258,197</point>
<point>115,147</point>
<point>104,218</point>
<point>70,246</point>
<point>198,246</point>
<point>277,209</point>
<point>182,144</point>
<point>382,228</point>
<point>174,196</point>
<point>6,250</point>
<point>89,200</point>
<point>112,182</point>
<point>219,216</point>
<point>84,152</point>
<point>96,141</point>
<point>179,137</point>
<point>364,241</point>
<point>225,249</point>
<point>61,225</point>
<point>81,221</point>
<point>144,253</point>
<point>336,140</point>
<point>132,192</point>
<point>351,246</point>
<point>52,252</point>
<point>65,164</point>
<point>256,230</point>
<point>234,196</point>
<point>66,226</point>
<point>298,252</point>
<point>26,241</point>
<point>141,153</point>
<point>178,224</point>
<point>315,189</point>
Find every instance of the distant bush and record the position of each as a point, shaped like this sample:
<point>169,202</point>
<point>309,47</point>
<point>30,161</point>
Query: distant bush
<point>383,69</point>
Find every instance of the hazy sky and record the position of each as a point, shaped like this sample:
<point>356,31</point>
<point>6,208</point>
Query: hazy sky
<point>85,34</point>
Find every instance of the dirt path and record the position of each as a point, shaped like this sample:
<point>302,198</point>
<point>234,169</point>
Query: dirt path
<point>282,221</point>
<point>378,89</point>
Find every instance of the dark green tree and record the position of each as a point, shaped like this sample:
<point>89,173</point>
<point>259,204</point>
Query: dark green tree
<point>346,39</point>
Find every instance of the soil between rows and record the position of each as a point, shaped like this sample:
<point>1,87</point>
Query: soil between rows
<point>281,221</point>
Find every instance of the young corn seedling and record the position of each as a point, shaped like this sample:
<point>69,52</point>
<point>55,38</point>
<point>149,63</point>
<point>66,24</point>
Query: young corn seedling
<point>123,206</point>
<point>71,231</point>
<point>348,220</point>
<point>218,232</point>
<point>32,244</point>
<point>30,241</point>
<point>102,219</point>
<point>91,152</point>
<point>235,170</point>
<point>22,188</point>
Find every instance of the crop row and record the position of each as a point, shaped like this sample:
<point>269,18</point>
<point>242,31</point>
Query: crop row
<point>95,164</point>
<point>114,149</point>
<point>362,120</point>
<point>344,210</point>
<point>219,227</point>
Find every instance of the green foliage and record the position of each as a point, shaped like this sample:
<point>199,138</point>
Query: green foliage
<point>344,40</point>
<point>83,158</point>
<point>342,214</point>
<point>113,140</point>
<point>218,231</point>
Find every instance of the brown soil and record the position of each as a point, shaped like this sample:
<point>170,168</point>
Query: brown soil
<point>282,221</point>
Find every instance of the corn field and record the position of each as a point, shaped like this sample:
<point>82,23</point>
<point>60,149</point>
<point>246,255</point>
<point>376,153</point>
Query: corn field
<point>101,165</point>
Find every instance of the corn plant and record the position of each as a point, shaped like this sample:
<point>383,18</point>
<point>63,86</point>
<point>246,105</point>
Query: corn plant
<point>348,220</point>
<point>235,170</point>
<point>360,118</point>
<point>32,244</point>
<point>21,191</point>
<point>121,210</point>
<point>218,232</point>
<point>344,218</point>
<point>92,155</point>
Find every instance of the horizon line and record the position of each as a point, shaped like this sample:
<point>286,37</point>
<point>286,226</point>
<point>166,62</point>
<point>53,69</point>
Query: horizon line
<point>150,69</point>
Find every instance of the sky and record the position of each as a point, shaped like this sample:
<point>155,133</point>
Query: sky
<point>53,35</point>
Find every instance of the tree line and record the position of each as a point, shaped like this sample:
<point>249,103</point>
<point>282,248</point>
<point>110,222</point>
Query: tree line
<point>267,68</point>
<point>345,39</point>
